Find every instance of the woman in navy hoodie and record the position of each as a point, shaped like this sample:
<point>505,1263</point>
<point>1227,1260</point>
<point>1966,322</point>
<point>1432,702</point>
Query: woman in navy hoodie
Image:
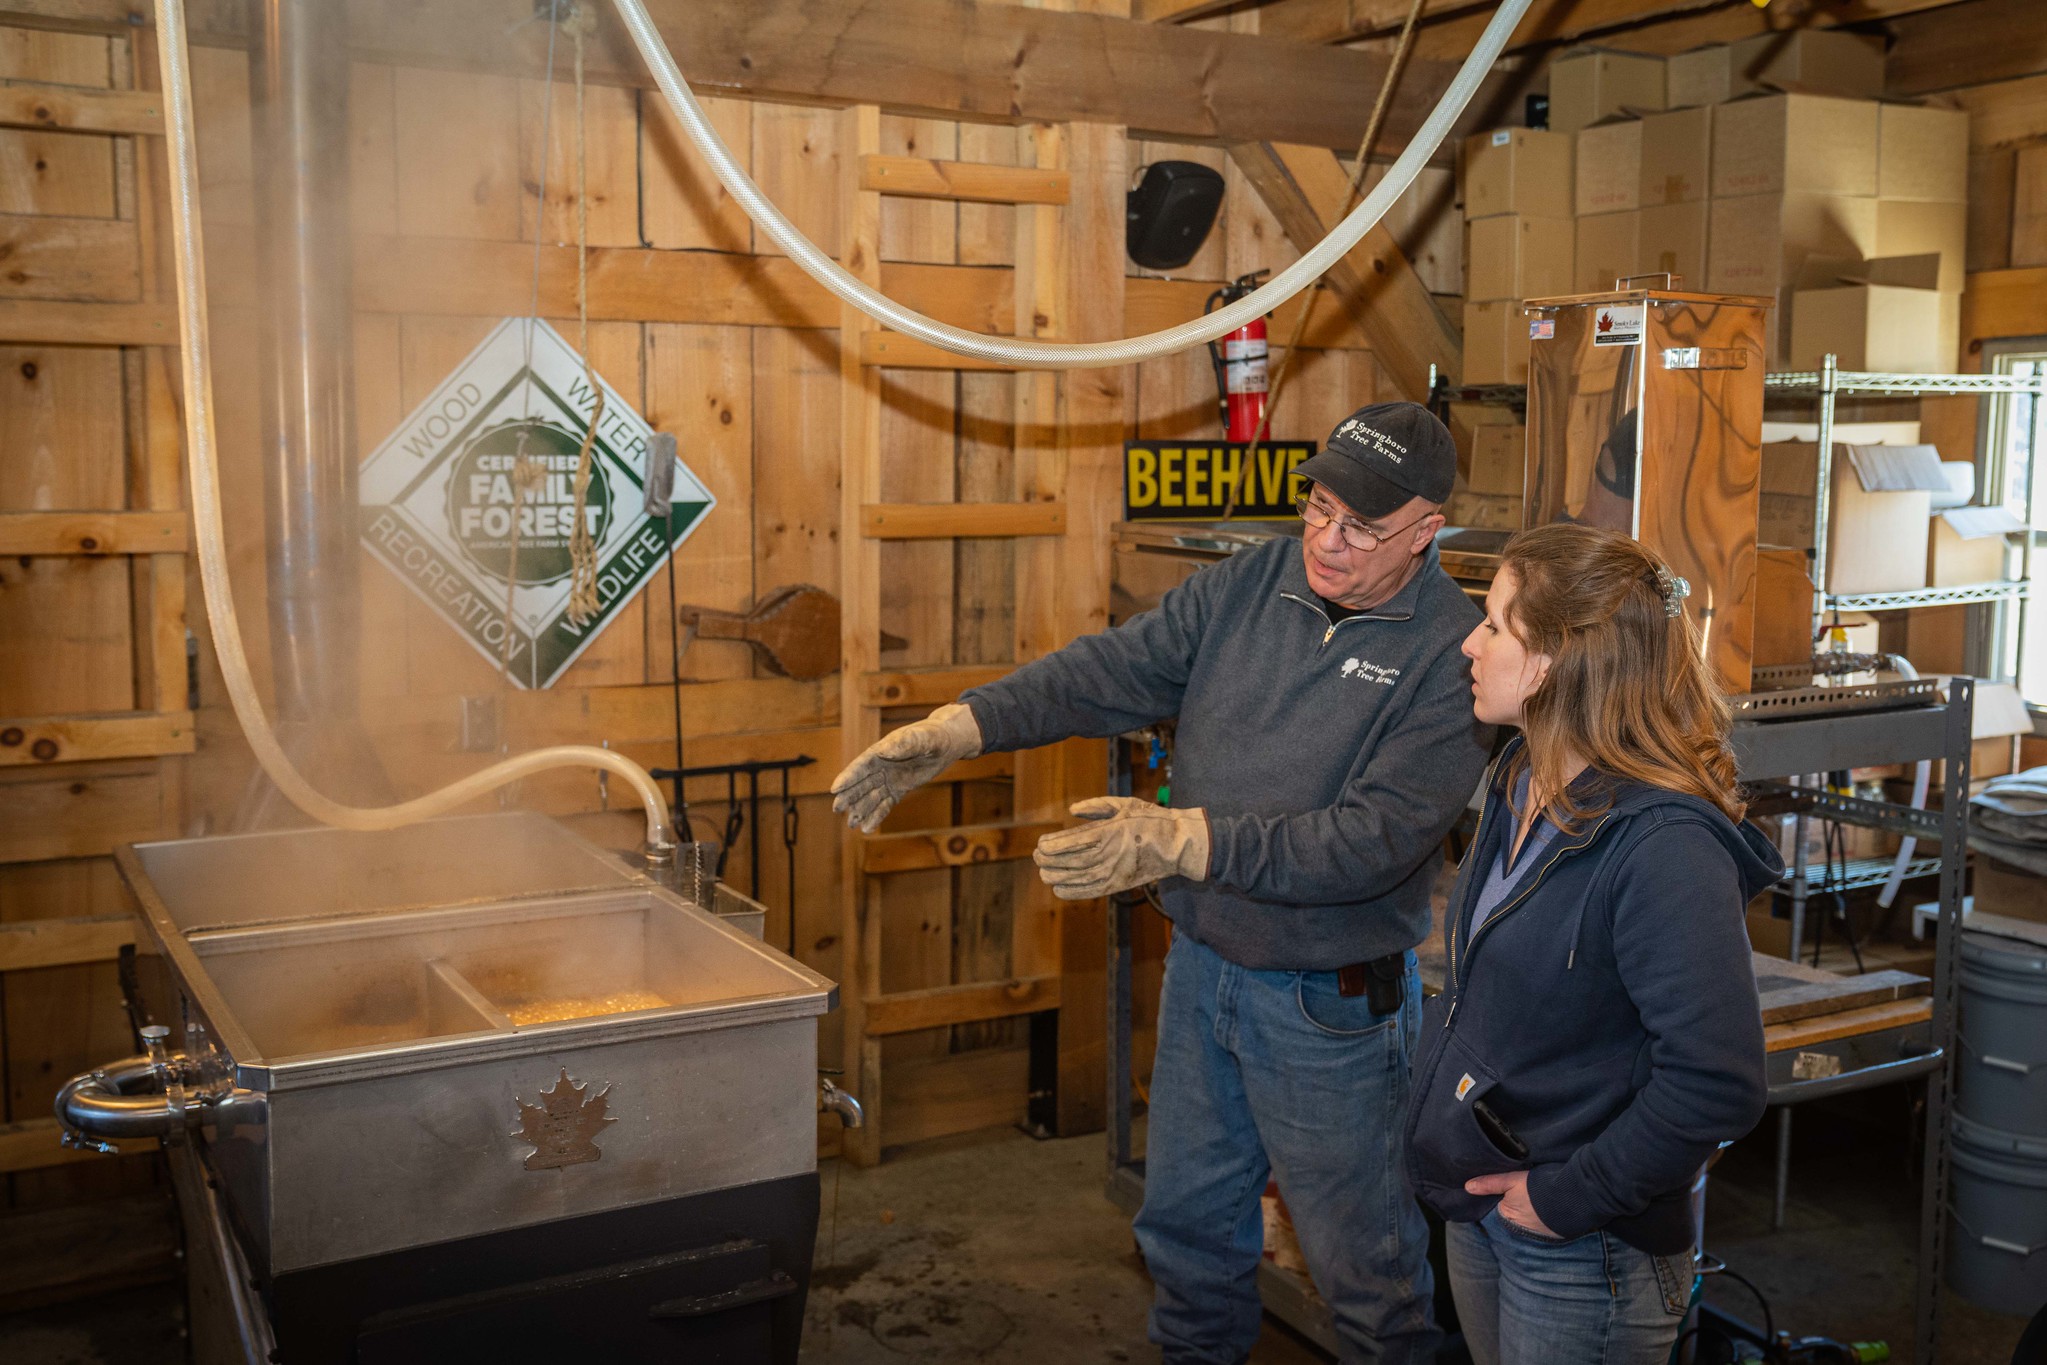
<point>1598,1036</point>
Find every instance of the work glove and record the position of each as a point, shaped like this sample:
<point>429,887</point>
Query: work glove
<point>1126,843</point>
<point>902,761</point>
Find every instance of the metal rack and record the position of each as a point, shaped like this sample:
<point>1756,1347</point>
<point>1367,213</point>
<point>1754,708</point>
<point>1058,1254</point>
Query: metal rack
<point>1899,723</point>
<point>1827,384</point>
<point>1775,737</point>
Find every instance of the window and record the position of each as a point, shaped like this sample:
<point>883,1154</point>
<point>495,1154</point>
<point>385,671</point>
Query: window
<point>2014,427</point>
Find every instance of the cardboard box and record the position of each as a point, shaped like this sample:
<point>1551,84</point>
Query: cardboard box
<point>1922,153</point>
<point>1767,934</point>
<point>1495,343</point>
<point>1516,257</point>
<point>1966,545</point>
<point>1787,487</point>
<point>1428,227</point>
<point>1758,243</point>
<point>2001,889</point>
<point>1912,228</point>
<point>1990,758</point>
<point>1784,597</point>
<point>1881,314</point>
<point>1499,459</point>
<point>1875,532</point>
<point>1817,61</point>
<point>1609,244</point>
<point>1877,517</point>
<point>1590,83</point>
<point>1947,340</point>
<point>1808,144</point>
<point>1677,157</point>
<point>1703,76</point>
<point>1935,638</point>
<point>1673,241</point>
<point>1517,170</point>
<point>1609,162</point>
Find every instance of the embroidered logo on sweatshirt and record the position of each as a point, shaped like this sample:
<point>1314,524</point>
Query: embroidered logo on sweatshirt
<point>1464,1085</point>
<point>1364,670</point>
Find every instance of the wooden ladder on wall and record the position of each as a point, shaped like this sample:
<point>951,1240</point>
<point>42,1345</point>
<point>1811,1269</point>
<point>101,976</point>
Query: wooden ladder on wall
<point>1037,518</point>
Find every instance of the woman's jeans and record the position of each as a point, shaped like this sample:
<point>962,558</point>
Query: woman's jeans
<point>1524,1299</point>
<point>1278,1072</point>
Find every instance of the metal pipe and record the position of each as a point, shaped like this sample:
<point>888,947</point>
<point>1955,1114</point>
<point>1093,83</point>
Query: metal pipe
<point>1830,383</point>
<point>299,127</point>
<point>97,1104</point>
<point>837,1101</point>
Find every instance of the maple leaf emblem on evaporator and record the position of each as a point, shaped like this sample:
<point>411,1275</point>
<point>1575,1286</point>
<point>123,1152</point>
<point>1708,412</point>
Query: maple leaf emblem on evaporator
<point>563,1127</point>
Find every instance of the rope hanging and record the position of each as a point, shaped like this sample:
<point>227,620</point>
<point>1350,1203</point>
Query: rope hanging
<point>1357,189</point>
<point>583,603</point>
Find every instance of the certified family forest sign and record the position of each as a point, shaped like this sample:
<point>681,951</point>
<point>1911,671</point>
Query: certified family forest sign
<point>441,510</point>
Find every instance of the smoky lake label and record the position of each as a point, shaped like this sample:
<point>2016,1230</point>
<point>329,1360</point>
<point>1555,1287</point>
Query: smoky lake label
<point>440,508</point>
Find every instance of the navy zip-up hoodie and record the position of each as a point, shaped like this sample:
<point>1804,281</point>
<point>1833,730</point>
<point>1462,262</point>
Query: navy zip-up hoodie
<point>1605,1011</point>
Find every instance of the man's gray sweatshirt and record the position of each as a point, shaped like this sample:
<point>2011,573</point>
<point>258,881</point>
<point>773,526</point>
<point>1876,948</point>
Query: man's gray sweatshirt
<point>1331,758</point>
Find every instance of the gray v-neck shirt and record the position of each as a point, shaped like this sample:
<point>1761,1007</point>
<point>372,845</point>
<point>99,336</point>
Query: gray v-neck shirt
<point>1506,868</point>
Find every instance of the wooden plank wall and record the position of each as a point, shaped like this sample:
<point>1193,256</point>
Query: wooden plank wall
<point>701,326</point>
<point>94,652</point>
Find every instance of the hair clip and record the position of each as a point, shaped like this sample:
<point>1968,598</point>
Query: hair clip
<point>1674,589</point>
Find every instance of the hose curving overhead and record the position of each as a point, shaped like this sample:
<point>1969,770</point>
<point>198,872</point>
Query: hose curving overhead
<point>1022,353</point>
<point>203,460</point>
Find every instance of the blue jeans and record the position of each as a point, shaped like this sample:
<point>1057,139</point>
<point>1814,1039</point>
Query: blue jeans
<point>1524,1299</point>
<point>1276,1073</point>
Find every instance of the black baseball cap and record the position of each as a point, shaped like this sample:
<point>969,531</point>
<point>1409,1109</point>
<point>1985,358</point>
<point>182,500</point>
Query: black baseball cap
<point>1384,454</point>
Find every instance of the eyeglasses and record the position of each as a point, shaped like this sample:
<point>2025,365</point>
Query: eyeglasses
<point>1356,534</point>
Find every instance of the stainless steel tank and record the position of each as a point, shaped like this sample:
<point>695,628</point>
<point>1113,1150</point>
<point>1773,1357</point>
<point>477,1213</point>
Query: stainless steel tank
<point>438,1036</point>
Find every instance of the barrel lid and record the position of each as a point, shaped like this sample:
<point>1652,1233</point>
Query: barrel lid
<point>2004,953</point>
<point>1984,1138</point>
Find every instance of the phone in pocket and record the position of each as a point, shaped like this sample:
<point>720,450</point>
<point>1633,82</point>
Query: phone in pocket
<point>1497,1132</point>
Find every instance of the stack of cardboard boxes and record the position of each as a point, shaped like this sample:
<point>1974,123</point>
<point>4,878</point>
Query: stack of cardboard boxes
<point>1889,528</point>
<point>1765,167</point>
<point>1518,228</point>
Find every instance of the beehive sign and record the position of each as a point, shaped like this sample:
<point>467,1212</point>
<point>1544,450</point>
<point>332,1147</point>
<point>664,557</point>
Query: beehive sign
<point>438,505</point>
<point>1183,480</point>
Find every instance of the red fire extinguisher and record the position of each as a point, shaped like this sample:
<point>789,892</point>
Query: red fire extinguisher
<point>1240,370</point>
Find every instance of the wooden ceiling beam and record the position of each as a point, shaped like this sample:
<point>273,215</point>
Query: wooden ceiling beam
<point>936,58</point>
<point>1178,11</point>
<point>1450,27</point>
<point>1966,44</point>
<point>1307,190</point>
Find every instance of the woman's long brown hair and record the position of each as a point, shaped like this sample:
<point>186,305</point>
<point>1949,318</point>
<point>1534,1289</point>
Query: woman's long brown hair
<point>1627,690</point>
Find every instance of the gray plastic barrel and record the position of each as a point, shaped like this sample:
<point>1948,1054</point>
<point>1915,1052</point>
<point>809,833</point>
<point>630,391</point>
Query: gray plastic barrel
<point>1997,1254</point>
<point>2001,1080</point>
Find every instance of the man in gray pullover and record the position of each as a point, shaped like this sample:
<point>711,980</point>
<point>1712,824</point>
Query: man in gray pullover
<point>1325,745</point>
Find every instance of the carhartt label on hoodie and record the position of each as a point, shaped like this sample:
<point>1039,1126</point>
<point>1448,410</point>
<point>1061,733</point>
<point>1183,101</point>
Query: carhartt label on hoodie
<point>1464,1085</point>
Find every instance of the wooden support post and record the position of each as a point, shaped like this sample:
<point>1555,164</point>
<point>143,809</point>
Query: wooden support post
<point>860,619</point>
<point>1093,409</point>
<point>1040,784</point>
<point>1307,189</point>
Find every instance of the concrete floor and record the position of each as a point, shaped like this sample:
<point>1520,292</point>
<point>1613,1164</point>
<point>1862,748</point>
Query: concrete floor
<point>992,1247</point>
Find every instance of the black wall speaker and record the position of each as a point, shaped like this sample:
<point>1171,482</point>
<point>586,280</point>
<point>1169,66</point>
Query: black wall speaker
<point>1170,213</point>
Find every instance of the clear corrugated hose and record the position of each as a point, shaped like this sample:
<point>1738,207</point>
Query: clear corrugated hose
<point>205,475</point>
<point>1051,355</point>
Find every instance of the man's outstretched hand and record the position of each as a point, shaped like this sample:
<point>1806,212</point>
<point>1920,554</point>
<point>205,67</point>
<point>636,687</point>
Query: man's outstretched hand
<point>1126,843</point>
<point>901,761</point>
